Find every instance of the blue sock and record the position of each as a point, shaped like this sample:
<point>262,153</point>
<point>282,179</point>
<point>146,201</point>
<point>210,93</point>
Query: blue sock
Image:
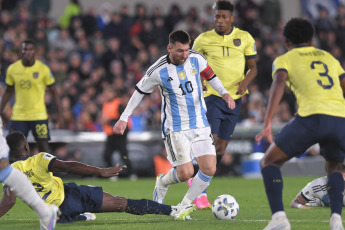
<point>335,189</point>
<point>274,187</point>
<point>143,206</point>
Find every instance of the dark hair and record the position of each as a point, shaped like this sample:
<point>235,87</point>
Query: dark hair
<point>223,5</point>
<point>29,42</point>
<point>16,140</point>
<point>298,31</point>
<point>179,36</point>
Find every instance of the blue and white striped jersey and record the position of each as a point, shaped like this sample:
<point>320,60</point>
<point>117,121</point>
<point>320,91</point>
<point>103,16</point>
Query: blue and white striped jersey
<point>183,105</point>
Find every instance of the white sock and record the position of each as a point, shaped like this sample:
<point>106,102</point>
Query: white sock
<point>199,184</point>
<point>23,189</point>
<point>170,178</point>
<point>278,214</point>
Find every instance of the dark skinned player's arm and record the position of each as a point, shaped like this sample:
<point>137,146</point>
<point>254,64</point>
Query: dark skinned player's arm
<point>74,167</point>
<point>6,97</point>
<point>7,202</point>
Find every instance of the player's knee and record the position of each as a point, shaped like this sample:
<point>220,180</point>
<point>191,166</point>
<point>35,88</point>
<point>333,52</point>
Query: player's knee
<point>263,163</point>
<point>185,175</point>
<point>209,169</point>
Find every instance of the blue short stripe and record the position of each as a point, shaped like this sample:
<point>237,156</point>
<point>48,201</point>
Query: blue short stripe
<point>5,173</point>
<point>175,178</point>
<point>204,177</point>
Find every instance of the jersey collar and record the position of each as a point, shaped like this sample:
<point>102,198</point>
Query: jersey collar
<point>232,29</point>
<point>21,158</point>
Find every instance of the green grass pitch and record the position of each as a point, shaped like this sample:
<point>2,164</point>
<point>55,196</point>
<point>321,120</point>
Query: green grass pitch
<point>254,210</point>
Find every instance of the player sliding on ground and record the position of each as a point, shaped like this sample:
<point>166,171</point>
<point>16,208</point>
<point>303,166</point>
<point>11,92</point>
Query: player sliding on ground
<point>71,198</point>
<point>314,194</point>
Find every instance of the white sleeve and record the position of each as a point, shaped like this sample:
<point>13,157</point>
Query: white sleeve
<point>132,104</point>
<point>144,87</point>
<point>217,85</point>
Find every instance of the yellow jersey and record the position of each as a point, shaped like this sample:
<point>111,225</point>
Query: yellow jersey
<point>29,85</point>
<point>313,76</point>
<point>227,57</point>
<point>36,168</point>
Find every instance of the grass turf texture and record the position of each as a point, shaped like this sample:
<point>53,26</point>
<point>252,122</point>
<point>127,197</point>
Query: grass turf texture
<point>254,209</point>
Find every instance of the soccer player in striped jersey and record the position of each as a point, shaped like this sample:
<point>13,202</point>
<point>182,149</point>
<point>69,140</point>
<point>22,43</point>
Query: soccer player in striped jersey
<point>21,186</point>
<point>314,194</point>
<point>318,82</point>
<point>228,50</point>
<point>185,128</point>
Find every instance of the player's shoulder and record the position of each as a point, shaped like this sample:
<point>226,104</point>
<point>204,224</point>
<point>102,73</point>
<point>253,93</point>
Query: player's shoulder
<point>197,54</point>
<point>241,33</point>
<point>158,65</point>
<point>14,65</point>
<point>44,155</point>
<point>41,66</point>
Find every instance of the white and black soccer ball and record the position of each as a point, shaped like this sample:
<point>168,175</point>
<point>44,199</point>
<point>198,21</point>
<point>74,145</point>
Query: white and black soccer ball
<point>225,207</point>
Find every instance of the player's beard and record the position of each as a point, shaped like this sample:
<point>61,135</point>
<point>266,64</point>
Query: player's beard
<point>178,60</point>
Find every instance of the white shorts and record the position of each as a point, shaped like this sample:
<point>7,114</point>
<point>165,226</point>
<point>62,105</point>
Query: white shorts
<point>4,149</point>
<point>185,145</point>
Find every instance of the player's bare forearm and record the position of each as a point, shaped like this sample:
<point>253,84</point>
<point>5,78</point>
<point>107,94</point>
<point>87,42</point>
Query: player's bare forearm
<point>78,168</point>
<point>5,98</point>
<point>53,92</point>
<point>276,93</point>
<point>7,202</point>
<point>299,202</point>
<point>250,75</point>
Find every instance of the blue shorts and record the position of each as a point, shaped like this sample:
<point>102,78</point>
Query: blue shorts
<point>39,128</point>
<point>303,132</point>
<point>221,118</point>
<point>80,199</point>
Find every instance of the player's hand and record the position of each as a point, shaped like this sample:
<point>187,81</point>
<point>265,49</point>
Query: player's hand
<point>120,127</point>
<point>296,204</point>
<point>112,171</point>
<point>265,132</point>
<point>229,100</point>
<point>204,87</point>
<point>242,88</point>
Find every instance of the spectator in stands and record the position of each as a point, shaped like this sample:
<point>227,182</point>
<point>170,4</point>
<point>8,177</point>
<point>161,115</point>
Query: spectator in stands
<point>111,112</point>
<point>71,10</point>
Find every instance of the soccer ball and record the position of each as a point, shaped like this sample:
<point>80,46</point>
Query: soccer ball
<point>225,207</point>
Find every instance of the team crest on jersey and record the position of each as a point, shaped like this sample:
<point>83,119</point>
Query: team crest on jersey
<point>182,75</point>
<point>35,75</point>
<point>237,42</point>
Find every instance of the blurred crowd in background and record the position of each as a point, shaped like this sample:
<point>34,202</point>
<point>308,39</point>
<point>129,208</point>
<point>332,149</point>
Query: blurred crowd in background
<point>91,51</point>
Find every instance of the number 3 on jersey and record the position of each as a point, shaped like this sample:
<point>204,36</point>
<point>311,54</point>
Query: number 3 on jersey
<point>323,74</point>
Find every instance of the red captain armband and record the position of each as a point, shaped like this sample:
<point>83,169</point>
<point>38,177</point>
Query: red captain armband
<point>207,73</point>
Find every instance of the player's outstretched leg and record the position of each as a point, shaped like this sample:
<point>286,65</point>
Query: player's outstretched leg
<point>143,207</point>
<point>180,212</point>
<point>201,202</point>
